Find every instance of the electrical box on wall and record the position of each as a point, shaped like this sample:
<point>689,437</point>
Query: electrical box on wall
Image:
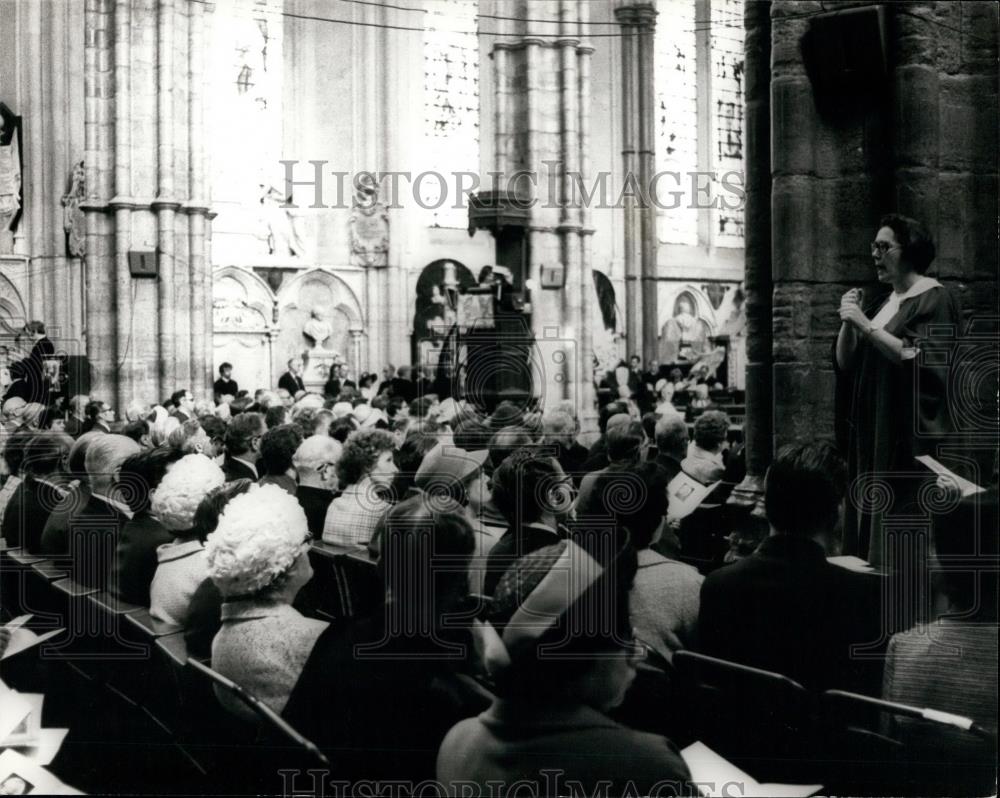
<point>553,276</point>
<point>142,263</point>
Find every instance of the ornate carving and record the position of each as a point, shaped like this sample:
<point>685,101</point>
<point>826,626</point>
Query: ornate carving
<point>235,315</point>
<point>10,173</point>
<point>369,229</point>
<point>283,237</point>
<point>74,221</point>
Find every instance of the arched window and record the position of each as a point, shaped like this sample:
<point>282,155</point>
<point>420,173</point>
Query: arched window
<point>699,124</point>
<point>451,105</point>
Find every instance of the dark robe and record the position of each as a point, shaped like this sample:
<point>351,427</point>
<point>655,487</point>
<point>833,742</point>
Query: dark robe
<point>892,413</point>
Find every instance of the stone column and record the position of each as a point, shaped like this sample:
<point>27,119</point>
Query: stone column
<point>46,89</point>
<point>637,22</point>
<point>145,163</point>
<point>541,127</point>
<point>99,325</point>
<point>757,427</point>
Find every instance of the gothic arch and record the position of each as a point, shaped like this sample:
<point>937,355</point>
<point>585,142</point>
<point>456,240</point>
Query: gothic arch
<point>252,291</point>
<point>12,313</point>
<point>344,298</point>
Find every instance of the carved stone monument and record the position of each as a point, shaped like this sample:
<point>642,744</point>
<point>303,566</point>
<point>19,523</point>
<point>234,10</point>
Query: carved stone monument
<point>74,221</point>
<point>10,177</point>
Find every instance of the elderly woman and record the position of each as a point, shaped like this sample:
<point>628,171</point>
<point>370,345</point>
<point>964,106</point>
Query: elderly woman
<point>896,402</point>
<point>182,564</point>
<point>258,559</point>
<point>365,472</point>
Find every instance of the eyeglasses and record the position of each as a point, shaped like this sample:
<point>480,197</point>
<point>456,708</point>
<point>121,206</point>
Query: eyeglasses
<point>882,247</point>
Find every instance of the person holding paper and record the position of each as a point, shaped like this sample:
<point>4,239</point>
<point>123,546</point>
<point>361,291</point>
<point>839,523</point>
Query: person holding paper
<point>895,402</point>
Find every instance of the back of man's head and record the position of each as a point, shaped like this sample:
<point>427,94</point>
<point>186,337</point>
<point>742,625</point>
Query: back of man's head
<point>507,441</point>
<point>606,412</point>
<point>104,457</point>
<point>672,436</point>
<point>519,486</point>
<point>242,430</point>
<point>559,427</point>
<point>625,442</point>
<point>804,489</point>
<point>278,447</point>
<point>315,453</point>
<point>711,430</point>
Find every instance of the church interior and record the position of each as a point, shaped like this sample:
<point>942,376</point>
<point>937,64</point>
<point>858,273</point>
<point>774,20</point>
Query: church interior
<point>564,205</point>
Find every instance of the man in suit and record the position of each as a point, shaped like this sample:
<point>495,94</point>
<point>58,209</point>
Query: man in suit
<point>183,400</point>
<point>786,608</point>
<point>671,443</point>
<point>243,446</point>
<point>225,385</point>
<point>77,415</point>
<point>42,350</point>
<point>291,380</point>
<point>94,530</point>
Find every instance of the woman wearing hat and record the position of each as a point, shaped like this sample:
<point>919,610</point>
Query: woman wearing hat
<point>182,566</point>
<point>555,683</point>
<point>258,558</point>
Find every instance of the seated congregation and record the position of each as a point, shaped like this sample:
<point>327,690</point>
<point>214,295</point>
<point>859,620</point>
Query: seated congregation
<point>519,605</point>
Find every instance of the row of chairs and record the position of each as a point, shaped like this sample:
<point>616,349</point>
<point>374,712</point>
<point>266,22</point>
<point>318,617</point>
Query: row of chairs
<point>120,649</point>
<point>776,730</point>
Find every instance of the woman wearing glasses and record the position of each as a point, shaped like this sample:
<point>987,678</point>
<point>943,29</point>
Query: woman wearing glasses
<point>897,399</point>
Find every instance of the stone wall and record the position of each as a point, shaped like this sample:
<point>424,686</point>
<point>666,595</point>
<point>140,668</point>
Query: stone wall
<point>925,145</point>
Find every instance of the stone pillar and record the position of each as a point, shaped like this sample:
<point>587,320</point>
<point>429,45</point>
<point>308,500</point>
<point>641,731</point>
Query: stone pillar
<point>638,24</point>
<point>147,190</point>
<point>99,324</point>
<point>827,194</point>
<point>542,129</point>
<point>757,427</point>
<point>45,88</point>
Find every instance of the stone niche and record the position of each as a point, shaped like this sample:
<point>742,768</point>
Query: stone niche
<point>320,320</point>
<point>243,327</point>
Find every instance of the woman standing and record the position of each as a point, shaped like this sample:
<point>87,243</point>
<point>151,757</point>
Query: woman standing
<point>897,401</point>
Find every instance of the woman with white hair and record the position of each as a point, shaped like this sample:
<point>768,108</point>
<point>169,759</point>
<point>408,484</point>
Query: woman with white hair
<point>258,558</point>
<point>182,564</point>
